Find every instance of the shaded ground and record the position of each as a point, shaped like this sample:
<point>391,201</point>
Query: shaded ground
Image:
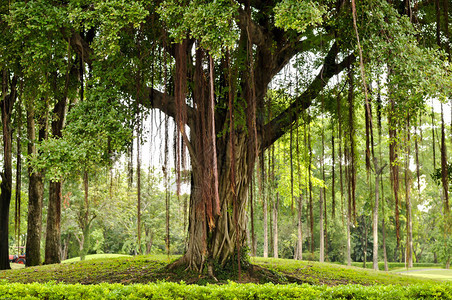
<point>145,269</point>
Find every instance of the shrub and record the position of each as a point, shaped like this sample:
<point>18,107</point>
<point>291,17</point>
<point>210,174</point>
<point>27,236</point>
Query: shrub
<point>167,290</point>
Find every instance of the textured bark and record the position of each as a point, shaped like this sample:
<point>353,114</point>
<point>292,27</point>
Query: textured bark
<point>6,104</point>
<point>53,229</point>
<point>35,198</point>
<point>218,243</point>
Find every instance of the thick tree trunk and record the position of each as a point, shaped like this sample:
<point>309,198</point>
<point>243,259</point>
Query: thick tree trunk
<point>35,198</point>
<point>220,242</point>
<point>53,229</point>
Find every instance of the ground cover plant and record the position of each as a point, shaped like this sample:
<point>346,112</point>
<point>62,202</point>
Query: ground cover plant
<point>153,268</point>
<point>137,277</point>
<point>166,290</point>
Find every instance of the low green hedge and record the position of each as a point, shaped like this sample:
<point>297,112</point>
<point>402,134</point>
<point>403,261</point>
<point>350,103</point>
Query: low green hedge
<point>395,265</point>
<point>166,290</point>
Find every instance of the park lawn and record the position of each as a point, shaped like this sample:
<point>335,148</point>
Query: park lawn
<point>152,268</point>
<point>95,256</point>
<point>439,274</point>
<point>333,274</point>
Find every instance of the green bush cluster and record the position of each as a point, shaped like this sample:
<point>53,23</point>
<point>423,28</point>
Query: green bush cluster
<point>167,290</point>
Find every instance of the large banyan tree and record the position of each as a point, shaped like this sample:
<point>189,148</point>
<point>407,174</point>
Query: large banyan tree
<point>208,65</point>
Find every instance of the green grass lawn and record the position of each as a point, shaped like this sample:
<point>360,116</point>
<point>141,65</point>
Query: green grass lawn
<point>136,277</point>
<point>127,269</point>
<point>438,274</point>
<point>95,256</point>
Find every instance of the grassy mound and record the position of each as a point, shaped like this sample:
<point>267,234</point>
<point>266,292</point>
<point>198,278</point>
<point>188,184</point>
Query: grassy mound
<point>145,269</point>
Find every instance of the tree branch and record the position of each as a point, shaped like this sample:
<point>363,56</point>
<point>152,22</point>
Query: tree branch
<point>81,47</point>
<point>257,33</point>
<point>284,121</point>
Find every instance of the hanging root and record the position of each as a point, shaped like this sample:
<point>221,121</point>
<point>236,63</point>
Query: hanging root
<point>210,270</point>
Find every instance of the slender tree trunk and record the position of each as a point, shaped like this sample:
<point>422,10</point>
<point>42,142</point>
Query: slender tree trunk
<point>383,229</point>
<point>444,171</point>
<point>6,103</point>
<point>18,169</point>
<point>299,254</point>
<point>409,224</point>
<point>323,208</point>
<point>264,205</point>
<point>53,229</point>
<point>349,246</point>
<point>311,209</point>
<point>339,129</point>
<point>375,220</point>
<point>333,174</point>
<point>433,137</point>
<point>35,197</point>
<point>139,188</point>
<point>84,220</point>
<point>365,242</point>
<point>253,235</point>
<point>275,226</point>
<point>321,228</point>
<point>322,216</point>
<point>394,173</point>
<point>349,212</point>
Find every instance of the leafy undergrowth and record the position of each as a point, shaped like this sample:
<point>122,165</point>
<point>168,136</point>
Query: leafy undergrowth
<point>145,269</point>
<point>231,290</point>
